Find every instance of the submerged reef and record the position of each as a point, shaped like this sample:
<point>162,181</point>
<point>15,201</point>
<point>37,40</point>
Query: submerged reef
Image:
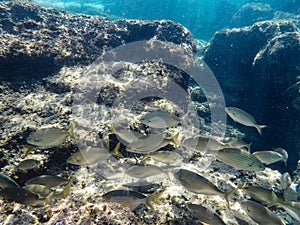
<point>259,66</point>
<point>32,35</point>
<point>123,118</point>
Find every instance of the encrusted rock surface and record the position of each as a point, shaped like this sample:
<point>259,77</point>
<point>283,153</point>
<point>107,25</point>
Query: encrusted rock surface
<point>251,13</point>
<point>31,36</point>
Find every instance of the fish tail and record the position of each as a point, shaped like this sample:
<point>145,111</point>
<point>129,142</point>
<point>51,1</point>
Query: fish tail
<point>229,143</point>
<point>49,198</point>
<point>185,119</point>
<point>111,129</point>
<point>144,157</point>
<point>167,172</point>
<point>116,150</point>
<point>242,185</point>
<point>153,198</point>
<point>27,149</point>
<point>285,160</point>
<point>66,190</point>
<point>249,146</point>
<point>71,130</point>
<point>228,195</point>
<point>259,128</point>
<point>105,141</point>
<point>175,139</point>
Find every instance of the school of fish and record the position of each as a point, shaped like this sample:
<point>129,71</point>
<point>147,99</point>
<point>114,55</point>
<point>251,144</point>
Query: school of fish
<point>157,153</point>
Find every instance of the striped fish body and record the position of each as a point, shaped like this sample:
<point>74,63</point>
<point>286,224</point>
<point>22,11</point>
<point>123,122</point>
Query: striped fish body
<point>240,159</point>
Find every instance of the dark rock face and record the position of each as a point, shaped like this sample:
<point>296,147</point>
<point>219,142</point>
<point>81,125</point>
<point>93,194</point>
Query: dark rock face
<point>254,67</point>
<point>251,13</point>
<point>36,42</point>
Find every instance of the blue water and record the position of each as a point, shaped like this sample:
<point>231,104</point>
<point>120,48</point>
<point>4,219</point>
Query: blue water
<point>257,65</point>
<point>201,17</point>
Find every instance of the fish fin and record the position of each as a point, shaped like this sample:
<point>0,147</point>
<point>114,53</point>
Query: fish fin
<point>71,130</point>
<point>271,204</point>
<point>241,185</point>
<point>153,198</point>
<point>49,198</point>
<point>105,141</point>
<point>111,129</point>
<point>229,143</point>
<point>174,139</point>
<point>144,157</point>
<point>228,195</point>
<point>185,119</point>
<point>203,223</point>
<point>28,149</point>
<point>285,160</point>
<point>249,146</point>
<point>116,150</point>
<point>260,127</point>
<point>24,171</point>
<point>168,174</point>
<point>65,192</point>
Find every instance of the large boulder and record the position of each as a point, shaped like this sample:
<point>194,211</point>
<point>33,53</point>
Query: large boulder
<point>255,66</point>
<point>36,42</point>
<point>250,13</point>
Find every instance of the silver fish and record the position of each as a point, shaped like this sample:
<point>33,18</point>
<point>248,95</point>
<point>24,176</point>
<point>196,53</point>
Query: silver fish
<point>204,214</point>
<point>40,190</point>
<point>47,180</point>
<point>89,156</point>
<point>6,181</point>
<point>148,144</point>
<point>144,171</point>
<point>198,184</point>
<point>240,159</point>
<point>125,135</point>
<point>204,144</point>
<point>131,199</point>
<point>64,193</point>
<point>160,119</point>
<point>261,194</point>
<point>260,214</point>
<point>167,157</point>
<point>28,164</point>
<point>244,118</point>
<point>269,157</point>
<point>20,195</point>
<point>292,208</point>
<point>284,153</point>
<point>45,138</point>
<point>239,143</point>
<point>143,187</point>
<point>285,181</point>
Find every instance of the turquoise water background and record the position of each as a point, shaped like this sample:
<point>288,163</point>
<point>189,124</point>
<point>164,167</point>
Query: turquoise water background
<point>201,17</point>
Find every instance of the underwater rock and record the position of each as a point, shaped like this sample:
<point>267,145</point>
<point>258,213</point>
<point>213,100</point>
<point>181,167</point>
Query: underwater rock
<point>255,66</point>
<point>251,13</point>
<point>32,36</point>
